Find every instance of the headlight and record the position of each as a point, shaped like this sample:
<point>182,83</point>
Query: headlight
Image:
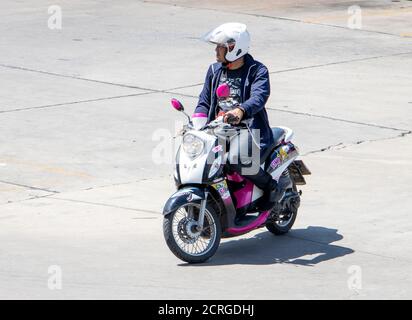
<point>192,145</point>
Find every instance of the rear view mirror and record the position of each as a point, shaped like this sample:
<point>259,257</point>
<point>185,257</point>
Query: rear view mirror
<point>177,104</point>
<point>179,107</point>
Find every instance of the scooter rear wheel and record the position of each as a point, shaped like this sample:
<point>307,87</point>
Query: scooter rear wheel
<point>281,222</point>
<point>185,240</point>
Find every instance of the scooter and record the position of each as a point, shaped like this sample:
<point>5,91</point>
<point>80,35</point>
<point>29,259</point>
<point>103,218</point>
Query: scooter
<point>212,202</point>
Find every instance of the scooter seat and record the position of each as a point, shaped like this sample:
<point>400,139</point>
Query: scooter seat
<point>278,136</point>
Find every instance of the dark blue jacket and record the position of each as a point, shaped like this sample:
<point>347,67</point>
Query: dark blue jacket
<point>256,91</point>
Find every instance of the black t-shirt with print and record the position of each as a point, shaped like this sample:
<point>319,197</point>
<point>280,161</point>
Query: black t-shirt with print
<point>235,79</point>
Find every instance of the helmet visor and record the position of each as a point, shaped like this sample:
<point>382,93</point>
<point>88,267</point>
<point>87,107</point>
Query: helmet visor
<point>216,36</point>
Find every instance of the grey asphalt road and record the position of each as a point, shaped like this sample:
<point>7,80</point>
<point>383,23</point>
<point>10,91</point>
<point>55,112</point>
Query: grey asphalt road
<point>82,109</point>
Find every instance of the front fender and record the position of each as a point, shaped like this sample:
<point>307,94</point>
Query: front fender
<point>182,196</point>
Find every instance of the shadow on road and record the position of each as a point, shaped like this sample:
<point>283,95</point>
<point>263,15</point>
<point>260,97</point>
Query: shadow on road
<point>306,247</point>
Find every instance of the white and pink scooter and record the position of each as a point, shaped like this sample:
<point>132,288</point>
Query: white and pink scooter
<point>211,202</point>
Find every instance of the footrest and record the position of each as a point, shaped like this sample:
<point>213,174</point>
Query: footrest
<point>245,220</point>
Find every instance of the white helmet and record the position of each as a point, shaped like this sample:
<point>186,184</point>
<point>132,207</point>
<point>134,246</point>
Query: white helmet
<point>229,34</point>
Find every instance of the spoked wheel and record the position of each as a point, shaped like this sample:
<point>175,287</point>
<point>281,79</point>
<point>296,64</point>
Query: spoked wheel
<point>186,239</point>
<point>283,215</point>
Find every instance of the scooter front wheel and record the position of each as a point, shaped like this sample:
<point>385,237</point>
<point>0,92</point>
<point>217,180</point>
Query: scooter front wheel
<point>186,239</point>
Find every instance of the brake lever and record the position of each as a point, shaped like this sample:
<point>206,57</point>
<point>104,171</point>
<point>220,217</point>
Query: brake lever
<point>215,123</point>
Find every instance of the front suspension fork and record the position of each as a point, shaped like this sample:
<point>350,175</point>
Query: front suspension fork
<point>201,219</point>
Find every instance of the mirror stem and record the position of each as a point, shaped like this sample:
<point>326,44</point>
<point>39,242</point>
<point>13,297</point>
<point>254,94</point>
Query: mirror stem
<point>188,117</point>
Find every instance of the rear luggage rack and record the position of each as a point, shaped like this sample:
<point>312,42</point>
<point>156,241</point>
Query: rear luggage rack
<point>297,170</point>
<point>302,167</point>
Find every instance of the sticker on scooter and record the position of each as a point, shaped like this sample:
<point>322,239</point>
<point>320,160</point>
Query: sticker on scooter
<point>217,148</point>
<point>283,154</point>
<point>276,162</point>
<point>192,197</point>
<point>178,194</point>
<point>223,190</point>
<point>224,193</point>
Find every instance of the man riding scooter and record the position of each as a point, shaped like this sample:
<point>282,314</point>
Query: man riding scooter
<point>221,191</point>
<point>249,85</point>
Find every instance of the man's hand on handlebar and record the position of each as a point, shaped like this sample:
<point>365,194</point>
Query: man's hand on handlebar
<point>233,116</point>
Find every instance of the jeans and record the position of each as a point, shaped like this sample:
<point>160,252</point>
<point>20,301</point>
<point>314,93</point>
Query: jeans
<point>244,158</point>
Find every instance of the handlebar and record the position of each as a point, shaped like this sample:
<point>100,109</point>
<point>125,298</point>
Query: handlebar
<point>219,122</point>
